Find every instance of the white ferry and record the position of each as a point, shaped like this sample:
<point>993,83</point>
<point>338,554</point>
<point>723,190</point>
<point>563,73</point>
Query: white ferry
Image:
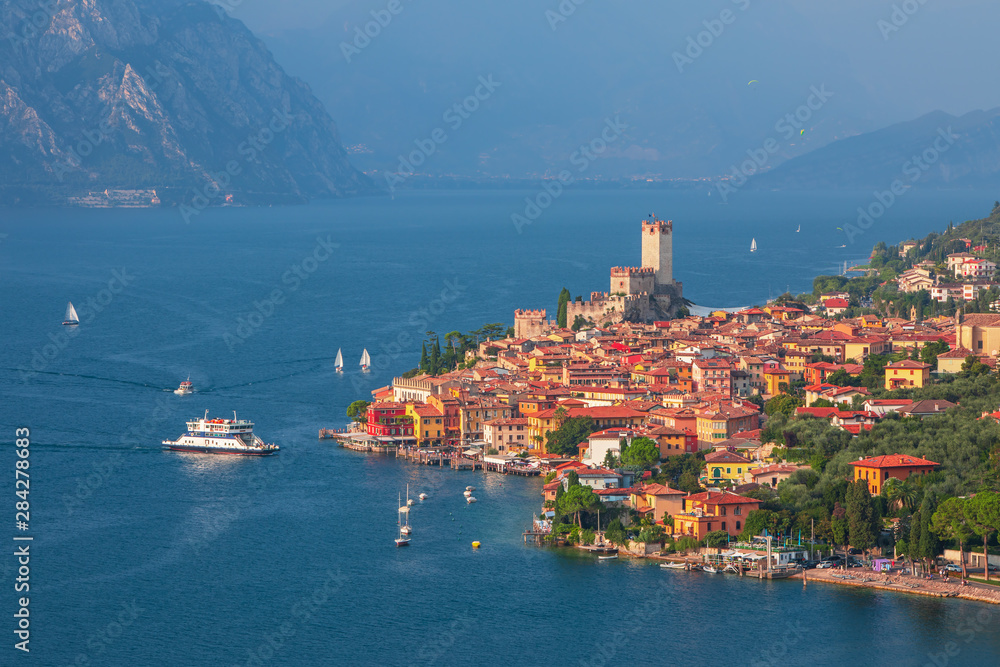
<point>221,436</point>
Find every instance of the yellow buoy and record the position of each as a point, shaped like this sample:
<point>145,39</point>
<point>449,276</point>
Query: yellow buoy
<point>475,545</point>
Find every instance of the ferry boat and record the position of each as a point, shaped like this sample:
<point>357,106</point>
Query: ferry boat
<point>221,436</point>
<point>186,388</point>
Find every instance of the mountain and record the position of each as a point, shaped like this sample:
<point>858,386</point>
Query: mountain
<point>170,95</point>
<point>937,150</point>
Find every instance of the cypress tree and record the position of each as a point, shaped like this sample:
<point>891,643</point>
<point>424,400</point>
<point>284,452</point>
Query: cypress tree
<point>564,299</point>
<point>916,533</point>
<point>860,515</point>
<point>423,357</point>
<point>435,362</point>
<point>928,541</point>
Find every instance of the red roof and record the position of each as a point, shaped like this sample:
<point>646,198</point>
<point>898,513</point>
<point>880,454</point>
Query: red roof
<point>822,413</point>
<point>836,303</point>
<point>724,498</point>
<point>894,461</point>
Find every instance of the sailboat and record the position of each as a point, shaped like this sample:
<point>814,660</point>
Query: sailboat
<point>753,245</point>
<point>72,319</point>
<point>339,363</point>
<point>402,540</point>
<point>405,529</point>
<point>366,361</point>
<point>798,229</point>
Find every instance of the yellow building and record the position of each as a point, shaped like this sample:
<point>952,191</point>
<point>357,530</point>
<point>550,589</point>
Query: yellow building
<point>773,379</point>
<point>728,467</point>
<point>428,423</point>
<point>907,373</point>
<point>859,347</point>
<point>979,332</point>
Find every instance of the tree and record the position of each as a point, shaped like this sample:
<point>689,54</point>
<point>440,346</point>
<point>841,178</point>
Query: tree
<point>564,299</point>
<point>615,532</point>
<point>358,411</point>
<point>951,522</point>
<point>642,454</point>
<point>577,499</point>
<point>862,518</point>
<point>839,526</point>
<point>567,438</point>
<point>716,539</point>
<point>572,479</point>
<point>898,493</point>
<point>972,367</point>
<point>913,544</point>
<point>654,533</point>
<point>928,547</point>
<point>423,357</point>
<point>983,511</point>
<point>784,404</point>
<point>929,352</point>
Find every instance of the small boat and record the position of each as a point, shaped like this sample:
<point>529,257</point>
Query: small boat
<point>339,363</point>
<point>709,569</point>
<point>799,229</point>
<point>470,488</point>
<point>185,388</point>
<point>404,530</point>
<point>72,319</point>
<point>470,500</point>
<point>423,496</point>
<point>614,557</point>
<point>467,493</point>
<point>409,501</point>
<point>673,566</point>
<point>366,361</point>
<point>753,245</point>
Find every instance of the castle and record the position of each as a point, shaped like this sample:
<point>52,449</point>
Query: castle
<point>636,293</point>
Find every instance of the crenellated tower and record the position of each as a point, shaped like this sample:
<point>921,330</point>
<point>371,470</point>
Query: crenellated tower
<point>658,249</point>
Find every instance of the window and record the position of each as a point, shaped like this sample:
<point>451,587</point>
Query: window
<point>717,472</point>
<point>729,471</point>
<point>739,471</point>
<point>738,524</point>
<point>709,527</point>
<point>738,511</point>
<point>723,525</point>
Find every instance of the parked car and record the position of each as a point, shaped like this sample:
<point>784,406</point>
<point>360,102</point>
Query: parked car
<point>833,559</point>
<point>810,564</point>
<point>951,567</point>
<point>854,552</point>
<point>825,565</point>
<point>854,563</point>
<point>993,568</point>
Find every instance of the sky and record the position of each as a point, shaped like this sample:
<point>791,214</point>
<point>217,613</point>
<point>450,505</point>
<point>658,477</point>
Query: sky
<point>676,73</point>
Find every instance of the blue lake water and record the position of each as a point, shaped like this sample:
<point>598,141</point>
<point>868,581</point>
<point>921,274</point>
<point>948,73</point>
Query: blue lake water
<point>143,557</point>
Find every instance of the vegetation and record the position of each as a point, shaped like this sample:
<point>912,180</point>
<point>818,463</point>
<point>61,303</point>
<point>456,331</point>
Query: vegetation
<point>358,411</point>
<point>566,440</point>
<point>435,360</point>
<point>641,454</point>
<point>564,299</point>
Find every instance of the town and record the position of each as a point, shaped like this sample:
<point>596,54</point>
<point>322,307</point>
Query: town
<point>779,432</point>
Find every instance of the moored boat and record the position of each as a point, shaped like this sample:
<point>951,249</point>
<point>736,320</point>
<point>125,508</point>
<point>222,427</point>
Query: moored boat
<point>403,539</point>
<point>674,566</point>
<point>221,436</point>
<point>613,557</point>
<point>339,363</point>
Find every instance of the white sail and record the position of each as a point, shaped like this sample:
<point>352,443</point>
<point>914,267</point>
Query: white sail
<point>71,315</point>
<point>339,363</point>
<point>365,359</point>
<point>753,245</point>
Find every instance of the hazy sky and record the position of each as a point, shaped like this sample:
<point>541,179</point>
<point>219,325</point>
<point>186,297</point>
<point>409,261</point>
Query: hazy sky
<point>561,78</point>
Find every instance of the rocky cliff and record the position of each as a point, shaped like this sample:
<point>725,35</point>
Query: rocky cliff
<point>171,95</point>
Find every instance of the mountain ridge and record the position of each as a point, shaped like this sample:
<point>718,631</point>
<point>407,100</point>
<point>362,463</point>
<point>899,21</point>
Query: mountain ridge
<point>133,94</point>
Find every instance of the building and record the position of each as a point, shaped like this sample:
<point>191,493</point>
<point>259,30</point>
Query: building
<point>645,293</point>
<point>774,474</point>
<point>952,360</point>
<point>602,442</point>
<point>674,442</point>
<point>906,374</point>
<point>979,332</point>
<point>505,435</point>
<point>388,419</point>
<point>728,467</point>
<point>836,306</point>
<point>720,421</point>
<point>428,424</point>
<point>656,500</point>
<point>710,511</point>
<point>878,469</point>
<point>713,374</point>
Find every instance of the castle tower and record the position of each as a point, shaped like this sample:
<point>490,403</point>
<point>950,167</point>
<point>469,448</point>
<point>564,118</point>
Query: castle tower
<point>658,249</point>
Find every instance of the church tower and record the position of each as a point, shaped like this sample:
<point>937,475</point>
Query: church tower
<point>658,249</point>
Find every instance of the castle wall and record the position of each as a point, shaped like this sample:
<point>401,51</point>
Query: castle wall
<point>531,323</point>
<point>632,280</point>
